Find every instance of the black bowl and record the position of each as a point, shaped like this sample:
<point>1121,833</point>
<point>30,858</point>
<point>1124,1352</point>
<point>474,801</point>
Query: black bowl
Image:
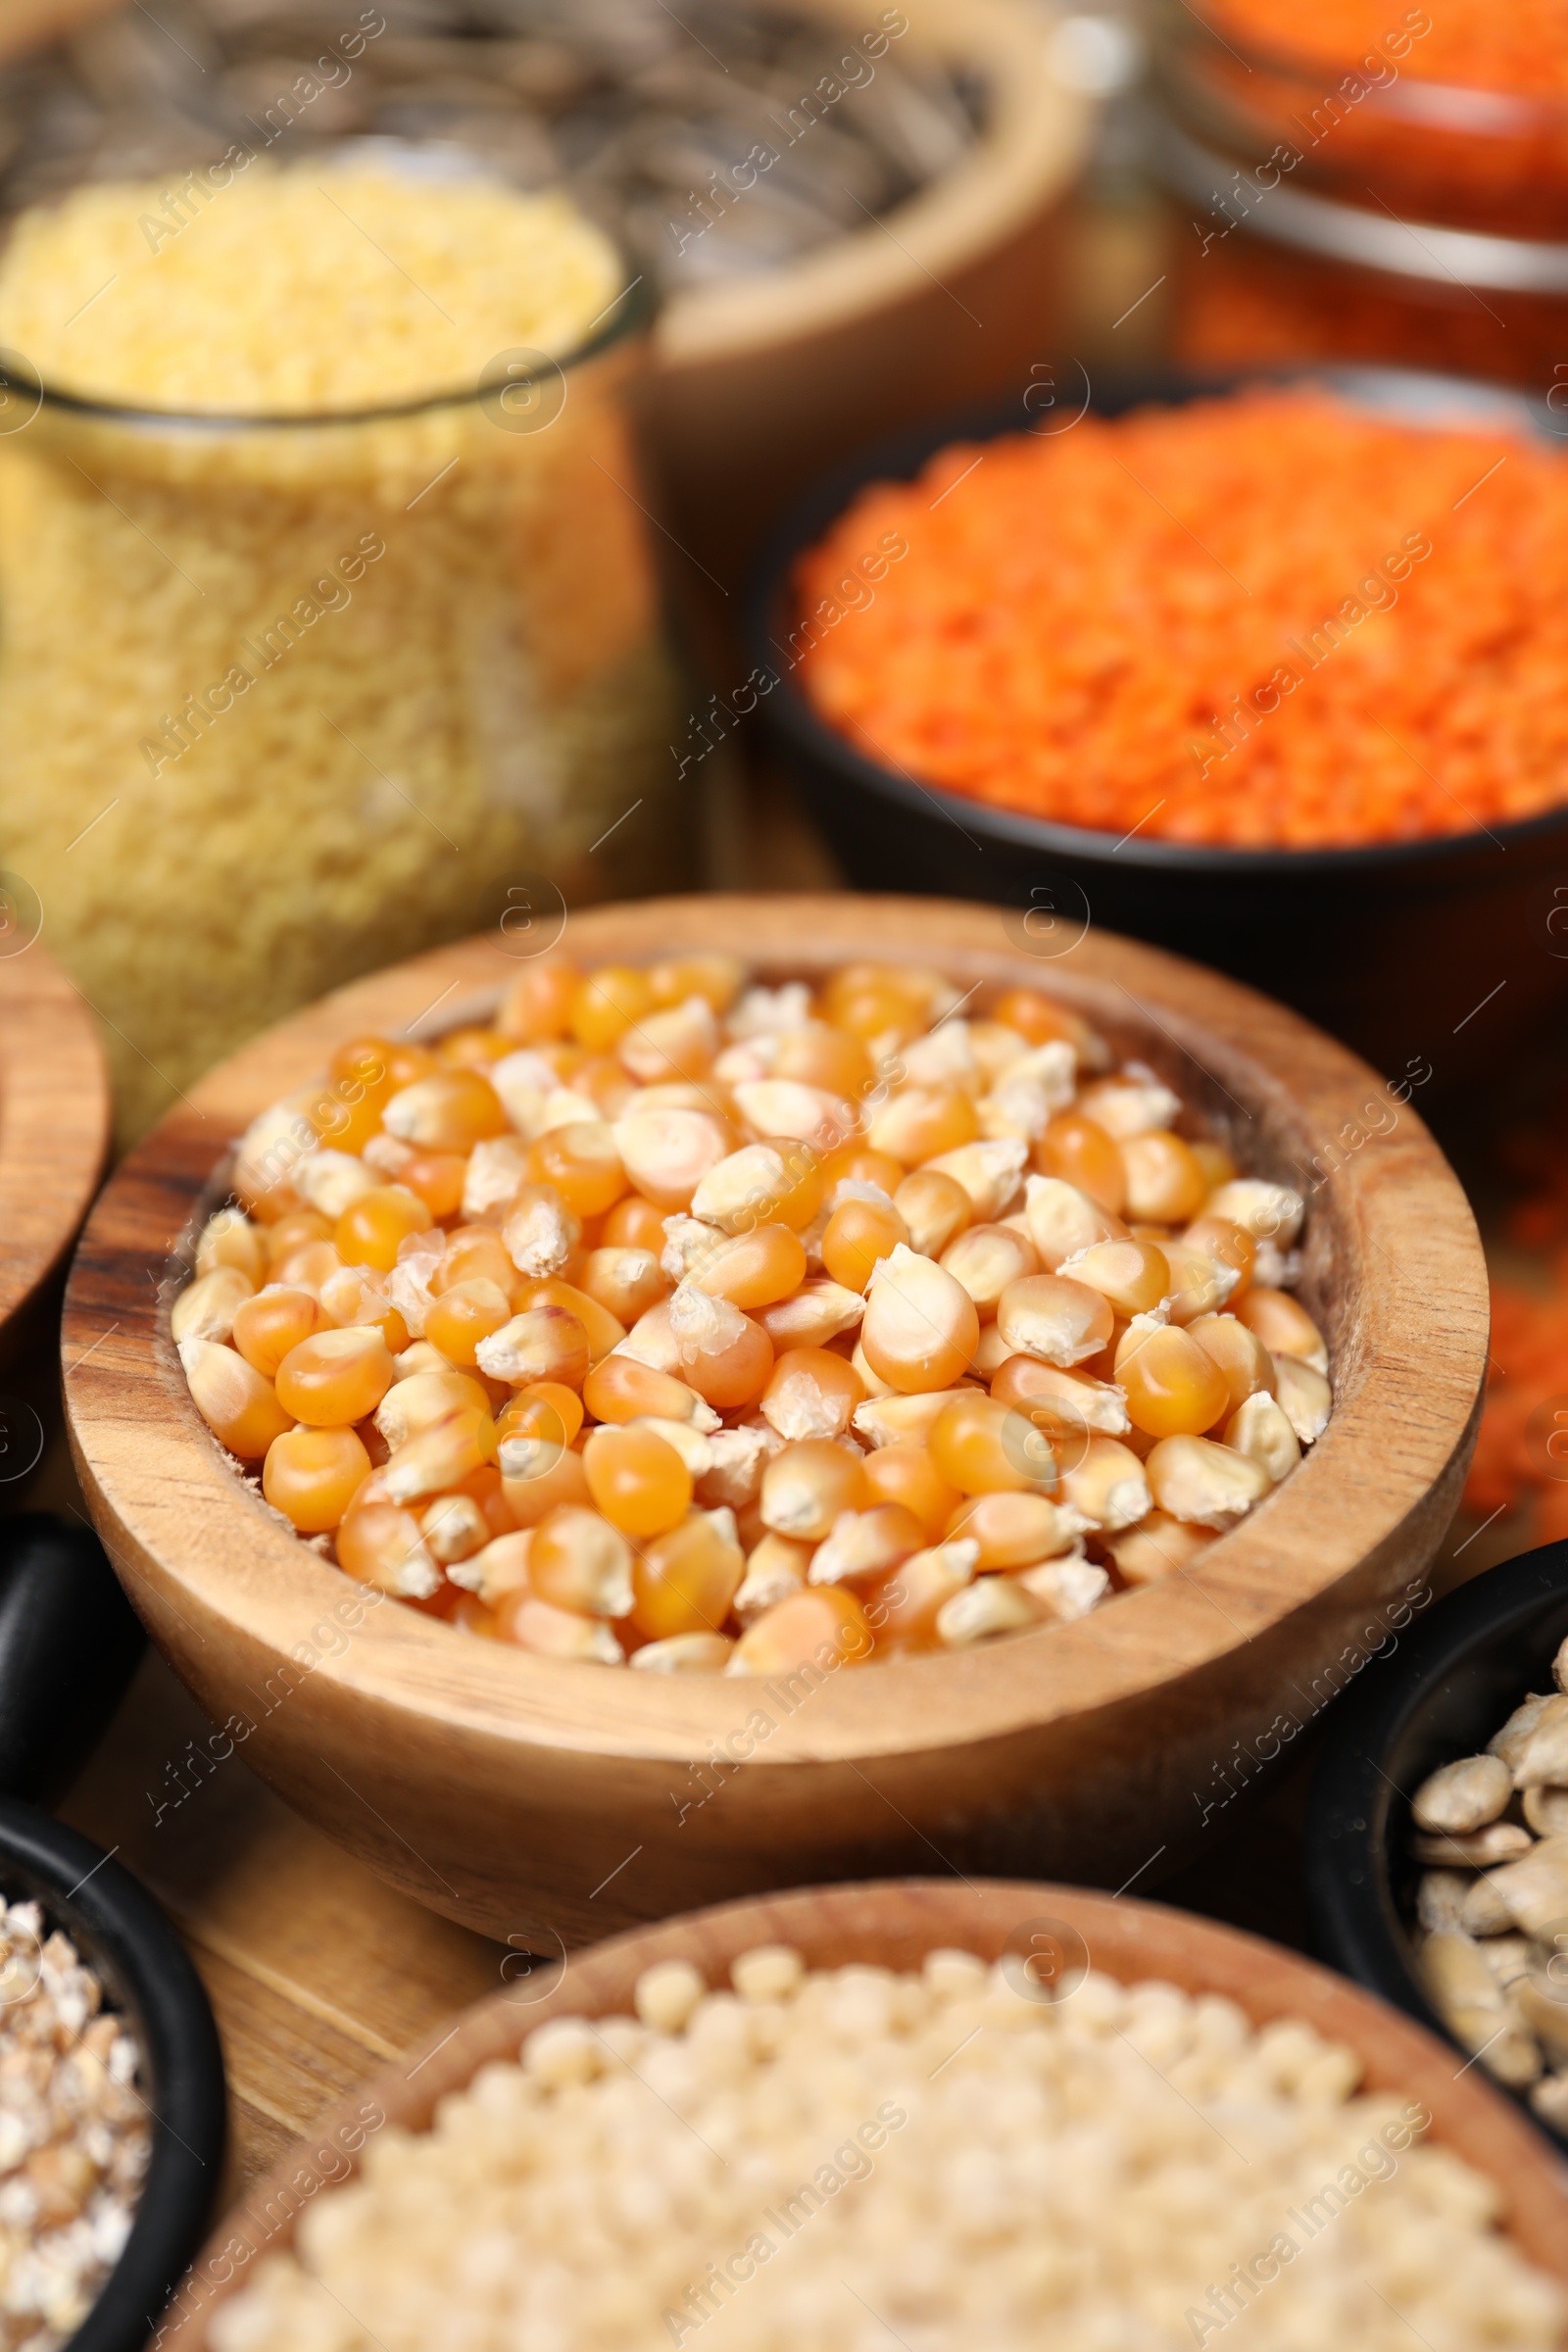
<point>118,1928</point>
<point>1440,952</point>
<point>1451,1682</point>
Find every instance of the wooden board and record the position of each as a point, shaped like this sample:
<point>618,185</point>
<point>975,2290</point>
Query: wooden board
<point>319,1972</point>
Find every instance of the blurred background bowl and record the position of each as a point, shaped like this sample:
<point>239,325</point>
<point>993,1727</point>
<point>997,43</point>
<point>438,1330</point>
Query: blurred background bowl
<point>1395,947</point>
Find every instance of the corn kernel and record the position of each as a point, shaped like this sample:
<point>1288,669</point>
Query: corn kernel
<point>686,1578</point>
<point>336,1377</point>
<point>1194,1477</point>
<point>311,1475</point>
<point>920,1329</point>
<point>637,1480</point>
<point>578,1560</point>
<point>795,1631</point>
<point>236,1402</point>
<point>809,1485</point>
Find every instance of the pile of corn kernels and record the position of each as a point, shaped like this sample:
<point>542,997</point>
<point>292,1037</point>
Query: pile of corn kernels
<point>1492,1904</point>
<point>852,2158</point>
<point>708,1326</point>
<point>74,2135</point>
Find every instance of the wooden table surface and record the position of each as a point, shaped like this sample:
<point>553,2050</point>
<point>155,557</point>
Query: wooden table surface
<point>318,1972</point>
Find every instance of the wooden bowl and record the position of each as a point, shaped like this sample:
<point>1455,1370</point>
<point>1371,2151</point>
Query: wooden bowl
<point>530,1798</point>
<point>895,1924</point>
<point>762,380</point>
<point>54,1130</point>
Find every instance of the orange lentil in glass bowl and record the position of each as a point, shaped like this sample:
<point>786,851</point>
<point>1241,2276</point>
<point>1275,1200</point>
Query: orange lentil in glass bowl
<point>688,1324</point>
<point>1466,44</point>
<point>1274,619</point>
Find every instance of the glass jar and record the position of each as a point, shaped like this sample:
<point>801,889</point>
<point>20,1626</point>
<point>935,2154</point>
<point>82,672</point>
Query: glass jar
<point>1382,117</point>
<point>1267,268</point>
<point>284,698</point>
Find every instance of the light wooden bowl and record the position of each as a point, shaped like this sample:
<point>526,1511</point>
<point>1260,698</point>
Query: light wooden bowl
<point>524,1796</point>
<point>54,1132</point>
<point>895,1924</point>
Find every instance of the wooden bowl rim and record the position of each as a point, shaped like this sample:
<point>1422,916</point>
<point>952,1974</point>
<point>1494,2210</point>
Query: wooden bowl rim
<point>1027,156</point>
<point>54,1120</point>
<point>212,1544</point>
<point>894,1921</point>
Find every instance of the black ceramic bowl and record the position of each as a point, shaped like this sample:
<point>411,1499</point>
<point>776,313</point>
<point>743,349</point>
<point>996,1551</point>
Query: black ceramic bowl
<point>1445,952</point>
<point>1452,1682</point>
<point>68,1644</point>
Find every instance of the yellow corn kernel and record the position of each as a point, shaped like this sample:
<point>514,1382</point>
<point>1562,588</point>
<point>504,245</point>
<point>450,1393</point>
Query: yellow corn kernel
<point>990,1605</point>
<point>292,1232</point>
<point>1200,1283</point>
<point>625,1283</point>
<point>620,1389</point>
<point>1196,1478</point>
<point>1108,1485</point>
<point>1056,1317</point>
<point>1172,1386</point>
<point>308,1268</point>
<point>606,1003</point>
<point>775,1567</point>
<point>1304,1396</point>
<point>901,1607</point>
<point>1165,1180</point>
<point>714,976</point>
<point>538,1003</point>
<point>1239,1354</point>
<point>1157,1548</point>
<point>920,1329</point>
<point>865,1544</point>
<point>819,1055</point>
<point>1217,1164</point>
<point>794,1633</point>
<point>1269,1212</point>
<point>543,1342</point>
<point>449,1111</point>
<point>1067,1406</point>
<point>637,1480</point>
<point>806,1485</point>
<point>312,1475</point>
<point>811,1392</point>
<point>985,1259</point>
<point>1132,1275</point>
<point>539,1232</point>
<point>982,1446</point>
<point>935,1207</point>
<point>229,1239</point>
<point>464,1315</point>
<point>336,1377</point>
<point>921,1121</point>
<point>1064,1220</point>
<point>685,1580</point>
<point>543,1409</point>
<point>370,1228</point>
<point>439,1456</point>
<point>1079,1150</point>
<point>906,1474</point>
<point>1259,1428</point>
<point>777,1182</point>
<point>818,1312</point>
<point>755,1269</point>
<point>1283,1326</point>
<point>672,1043</point>
<point>667,1152</point>
<point>633,1224</point>
<point>858,1236</point>
<point>205,1308</point>
<point>550,1633</point>
<point>604,1329</point>
<point>578,1560</point>
<point>454,1528</point>
<point>424,1399</point>
<point>381,1544</point>
<point>1014,1530</point>
<point>538,1477</point>
<point>580,1160</point>
<point>267,1325</point>
<point>685,1654</point>
<point>236,1402</point>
